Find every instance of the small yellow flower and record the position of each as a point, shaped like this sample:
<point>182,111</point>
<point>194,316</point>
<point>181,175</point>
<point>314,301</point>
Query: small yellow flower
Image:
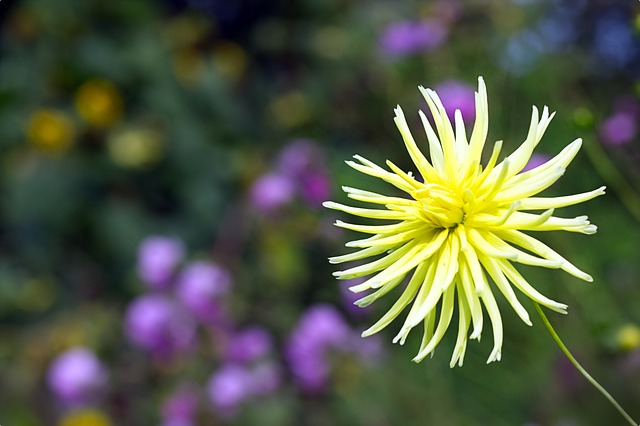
<point>290,109</point>
<point>188,66</point>
<point>50,130</point>
<point>86,417</point>
<point>99,103</point>
<point>459,226</point>
<point>229,59</point>
<point>628,337</point>
<point>135,147</point>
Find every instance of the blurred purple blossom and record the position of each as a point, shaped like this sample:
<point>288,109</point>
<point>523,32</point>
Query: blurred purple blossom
<point>535,161</point>
<point>77,376</point>
<point>159,325</point>
<point>248,345</point>
<point>349,298</point>
<point>157,260</point>
<point>457,95</point>
<point>200,288</point>
<point>303,161</point>
<point>320,329</point>
<point>229,387</point>
<point>298,157</point>
<point>370,350</point>
<point>272,191</point>
<point>315,187</point>
<point>619,128</point>
<point>180,408</point>
<point>408,37</point>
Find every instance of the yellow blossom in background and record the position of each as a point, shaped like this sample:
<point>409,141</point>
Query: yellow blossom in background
<point>628,337</point>
<point>50,130</point>
<point>331,42</point>
<point>460,225</point>
<point>86,417</point>
<point>188,66</point>
<point>99,103</point>
<point>135,147</point>
<point>290,109</point>
<point>229,59</point>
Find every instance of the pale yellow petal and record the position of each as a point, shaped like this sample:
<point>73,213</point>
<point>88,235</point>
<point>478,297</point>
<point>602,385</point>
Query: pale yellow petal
<point>540,203</point>
<point>405,298</point>
<point>446,312</point>
<point>368,213</point>
<point>503,285</point>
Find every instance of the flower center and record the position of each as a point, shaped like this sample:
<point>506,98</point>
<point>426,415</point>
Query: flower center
<point>442,207</point>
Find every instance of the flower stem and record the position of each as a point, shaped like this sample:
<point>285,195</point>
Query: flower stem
<point>580,368</point>
<point>608,171</point>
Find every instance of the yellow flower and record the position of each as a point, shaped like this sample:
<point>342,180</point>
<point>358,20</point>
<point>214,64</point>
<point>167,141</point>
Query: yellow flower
<point>99,103</point>
<point>628,337</point>
<point>461,226</point>
<point>50,130</point>
<point>229,59</point>
<point>85,417</point>
<point>135,147</point>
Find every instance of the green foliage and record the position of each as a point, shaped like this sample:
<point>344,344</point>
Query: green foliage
<point>207,103</point>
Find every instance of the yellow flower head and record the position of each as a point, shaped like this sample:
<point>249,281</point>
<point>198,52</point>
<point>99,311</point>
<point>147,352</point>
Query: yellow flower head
<point>459,226</point>
<point>85,417</point>
<point>50,130</point>
<point>99,103</point>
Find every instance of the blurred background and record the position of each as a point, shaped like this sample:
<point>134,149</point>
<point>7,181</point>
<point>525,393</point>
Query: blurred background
<point>162,242</point>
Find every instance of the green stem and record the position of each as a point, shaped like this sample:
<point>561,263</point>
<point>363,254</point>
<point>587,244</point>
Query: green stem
<point>580,369</point>
<point>608,171</point>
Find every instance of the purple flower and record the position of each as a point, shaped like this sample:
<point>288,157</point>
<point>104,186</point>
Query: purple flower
<point>180,408</point>
<point>323,326</point>
<point>272,191</point>
<point>407,37</point>
<point>303,162</point>
<point>200,287</point>
<point>299,157</point>
<point>319,330</point>
<point>315,187</point>
<point>77,376</point>
<point>535,161</point>
<point>457,95</point>
<point>229,387</point>
<point>618,129</point>
<point>157,259</point>
<point>349,298</point>
<point>157,324</point>
<point>369,350</point>
<point>248,345</point>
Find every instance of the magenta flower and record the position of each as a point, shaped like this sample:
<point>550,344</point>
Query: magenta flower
<point>248,345</point>
<point>229,387</point>
<point>410,37</point>
<point>320,330</point>
<point>535,161</point>
<point>618,129</point>
<point>160,326</point>
<point>180,408</point>
<point>298,157</point>
<point>201,287</point>
<point>457,95</point>
<point>157,260</point>
<point>77,376</point>
<point>315,187</point>
<point>271,192</point>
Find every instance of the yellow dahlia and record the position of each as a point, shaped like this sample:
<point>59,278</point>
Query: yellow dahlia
<point>459,225</point>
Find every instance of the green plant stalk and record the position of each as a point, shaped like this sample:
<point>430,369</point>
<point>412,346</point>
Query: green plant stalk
<point>610,174</point>
<point>581,369</point>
